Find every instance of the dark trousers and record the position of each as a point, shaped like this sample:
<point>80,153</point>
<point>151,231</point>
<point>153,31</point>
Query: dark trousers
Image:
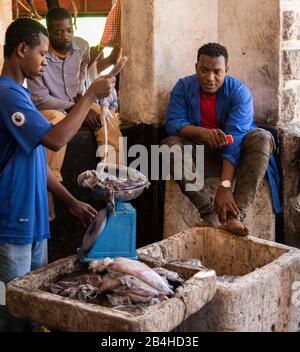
<point>258,145</point>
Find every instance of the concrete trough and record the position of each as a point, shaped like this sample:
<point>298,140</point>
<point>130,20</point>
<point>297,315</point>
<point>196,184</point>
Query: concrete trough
<point>27,299</point>
<point>264,294</point>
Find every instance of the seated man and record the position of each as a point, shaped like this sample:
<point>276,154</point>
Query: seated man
<point>203,108</point>
<point>60,87</point>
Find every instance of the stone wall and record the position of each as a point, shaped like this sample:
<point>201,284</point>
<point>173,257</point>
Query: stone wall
<point>5,19</point>
<point>290,168</point>
<point>263,38</point>
<point>193,23</point>
<point>290,119</point>
<point>290,105</point>
<point>161,39</point>
<point>250,31</point>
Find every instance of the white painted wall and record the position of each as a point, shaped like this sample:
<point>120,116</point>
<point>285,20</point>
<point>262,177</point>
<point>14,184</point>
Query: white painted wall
<point>162,39</point>
<point>181,28</point>
<point>137,93</point>
<point>251,32</point>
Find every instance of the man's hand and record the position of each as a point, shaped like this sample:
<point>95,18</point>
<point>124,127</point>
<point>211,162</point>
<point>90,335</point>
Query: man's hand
<point>95,52</point>
<point>215,138</point>
<point>102,87</point>
<point>83,211</point>
<point>92,119</point>
<point>224,203</point>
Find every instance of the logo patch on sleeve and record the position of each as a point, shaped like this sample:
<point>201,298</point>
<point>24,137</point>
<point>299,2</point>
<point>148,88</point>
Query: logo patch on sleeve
<point>18,119</point>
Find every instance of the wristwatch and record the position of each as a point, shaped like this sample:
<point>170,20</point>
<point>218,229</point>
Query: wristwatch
<point>225,183</point>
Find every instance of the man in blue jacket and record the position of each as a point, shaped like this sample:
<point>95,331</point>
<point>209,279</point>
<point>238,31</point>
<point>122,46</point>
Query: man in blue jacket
<point>203,109</point>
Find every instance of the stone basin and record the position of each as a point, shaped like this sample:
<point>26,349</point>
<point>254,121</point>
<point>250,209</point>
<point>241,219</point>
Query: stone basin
<point>264,293</point>
<point>27,299</point>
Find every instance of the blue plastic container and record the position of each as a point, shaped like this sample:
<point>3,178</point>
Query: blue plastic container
<point>118,238</point>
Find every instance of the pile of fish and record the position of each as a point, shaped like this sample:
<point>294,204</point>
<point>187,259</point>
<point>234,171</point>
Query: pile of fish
<point>80,287</point>
<point>112,177</point>
<point>123,281</point>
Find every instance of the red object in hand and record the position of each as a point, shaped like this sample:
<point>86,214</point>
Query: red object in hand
<point>229,139</point>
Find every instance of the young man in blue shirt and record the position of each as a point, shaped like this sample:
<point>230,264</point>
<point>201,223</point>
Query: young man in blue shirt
<point>24,175</point>
<point>203,109</point>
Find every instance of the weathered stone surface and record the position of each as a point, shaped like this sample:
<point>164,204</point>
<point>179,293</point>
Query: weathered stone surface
<point>292,221</point>
<point>291,12</point>
<point>181,214</point>
<point>297,117</point>
<point>254,43</point>
<point>261,297</point>
<point>251,31</point>
<point>155,50</point>
<point>298,24</point>
<point>260,216</point>
<point>291,64</point>
<point>289,25</point>
<point>288,105</point>
<point>26,299</point>
<point>290,156</point>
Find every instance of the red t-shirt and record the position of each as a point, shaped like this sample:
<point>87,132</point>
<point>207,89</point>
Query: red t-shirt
<point>208,109</point>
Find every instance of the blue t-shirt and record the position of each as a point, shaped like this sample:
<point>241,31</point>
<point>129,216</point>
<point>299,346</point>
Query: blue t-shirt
<point>23,167</point>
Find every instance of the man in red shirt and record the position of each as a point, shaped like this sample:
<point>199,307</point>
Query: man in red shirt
<point>203,109</point>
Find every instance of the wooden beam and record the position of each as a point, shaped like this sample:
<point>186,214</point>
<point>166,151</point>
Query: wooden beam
<point>83,6</point>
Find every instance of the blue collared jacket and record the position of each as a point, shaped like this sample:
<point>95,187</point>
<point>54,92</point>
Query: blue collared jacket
<point>235,116</point>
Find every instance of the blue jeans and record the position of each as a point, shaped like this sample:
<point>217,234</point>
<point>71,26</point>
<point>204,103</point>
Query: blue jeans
<point>18,260</point>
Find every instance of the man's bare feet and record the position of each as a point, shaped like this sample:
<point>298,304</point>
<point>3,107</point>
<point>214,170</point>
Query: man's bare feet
<point>236,227</point>
<point>210,220</point>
